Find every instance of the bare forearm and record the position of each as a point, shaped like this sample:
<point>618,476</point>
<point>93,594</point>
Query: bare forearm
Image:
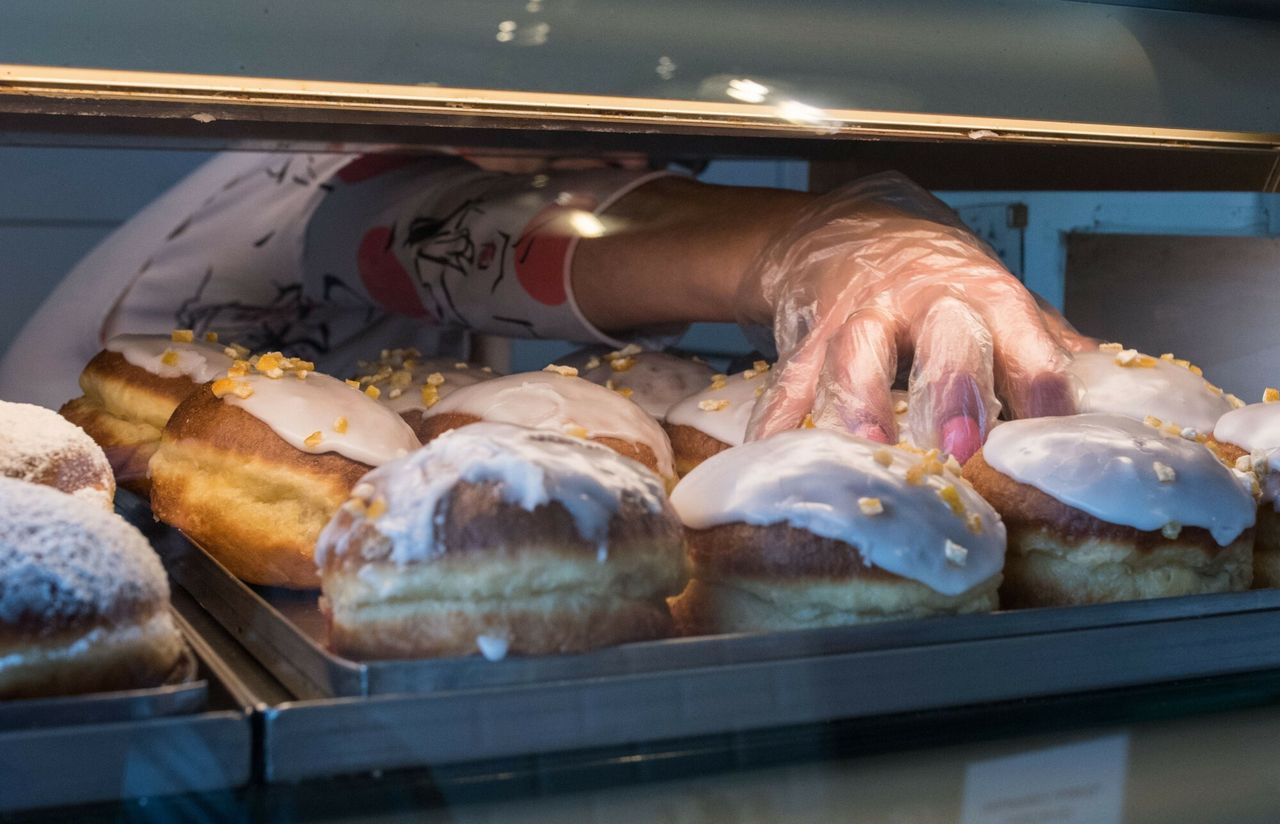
<point>674,251</point>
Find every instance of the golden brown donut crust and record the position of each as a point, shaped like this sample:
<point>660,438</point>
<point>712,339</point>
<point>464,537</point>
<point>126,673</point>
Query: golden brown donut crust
<point>433,426</point>
<point>776,551</point>
<point>416,419</point>
<point>691,446</point>
<point>244,494</point>
<point>452,631</point>
<point>477,521</point>
<point>527,576</point>
<point>1060,556</point>
<point>124,408</point>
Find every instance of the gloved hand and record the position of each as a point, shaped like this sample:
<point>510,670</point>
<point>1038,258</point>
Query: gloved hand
<point>879,274</point>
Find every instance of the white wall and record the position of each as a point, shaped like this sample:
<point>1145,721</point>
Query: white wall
<point>56,204</point>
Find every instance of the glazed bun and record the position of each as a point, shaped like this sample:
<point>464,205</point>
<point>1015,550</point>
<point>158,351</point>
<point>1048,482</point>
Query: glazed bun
<point>410,385</point>
<point>39,446</point>
<point>252,467</point>
<point>1103,508</point>
<point>130,390</point>
<point>556,400</point>
<point>1248,439</point>
<point>653,380</point>
<point>84,602</point>
<point>1119,381</point>
<point>716,418</point>
<point>496,538</point>
<point>814,528</point>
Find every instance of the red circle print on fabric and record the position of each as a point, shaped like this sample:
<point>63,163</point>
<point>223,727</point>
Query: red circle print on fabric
<point>540,255</point>
<point>368,166</point>
<point>385,279</point>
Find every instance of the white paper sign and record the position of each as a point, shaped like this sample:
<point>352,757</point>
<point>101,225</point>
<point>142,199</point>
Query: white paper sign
<point>1073,784</point>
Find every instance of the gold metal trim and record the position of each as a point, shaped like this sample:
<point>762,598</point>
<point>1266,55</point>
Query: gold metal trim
<point>22,88</point>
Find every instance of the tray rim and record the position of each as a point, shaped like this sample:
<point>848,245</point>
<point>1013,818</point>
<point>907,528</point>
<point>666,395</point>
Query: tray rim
<point>186,696</point>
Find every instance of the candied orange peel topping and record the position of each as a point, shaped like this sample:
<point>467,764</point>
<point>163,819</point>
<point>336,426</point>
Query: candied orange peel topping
<point>871,506</point>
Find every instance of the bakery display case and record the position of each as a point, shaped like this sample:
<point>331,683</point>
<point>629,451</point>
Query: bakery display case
<point>985,103</point>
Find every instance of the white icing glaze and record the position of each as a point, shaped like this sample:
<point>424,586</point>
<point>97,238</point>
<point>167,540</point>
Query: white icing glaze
<point>493,647</point>
<point>1167,391</point>
<point>33,439</point>
<point>728,424</point>
<point>1252,428</point>
<point>531,467</point>
<point>812,479</point>
<point>656,380</point>
<point>547,400</point>
<point>1256,428</point>
<point>197,360</point>
<point>295,408</point>
<point>64,558</point>
<point>1105,465</point>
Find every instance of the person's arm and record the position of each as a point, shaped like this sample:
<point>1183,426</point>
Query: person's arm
<point>675,251</point>
<point>854,285</point>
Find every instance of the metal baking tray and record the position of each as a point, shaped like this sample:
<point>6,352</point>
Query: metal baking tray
<point>180,738</point>
<point>357,716</point>
<point>814,676</point>
<point>184,691</point>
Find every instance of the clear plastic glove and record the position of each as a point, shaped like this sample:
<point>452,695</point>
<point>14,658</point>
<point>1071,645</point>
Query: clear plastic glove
<point>880,274</point>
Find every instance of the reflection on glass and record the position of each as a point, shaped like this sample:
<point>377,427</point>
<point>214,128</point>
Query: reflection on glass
<point>746,90</point>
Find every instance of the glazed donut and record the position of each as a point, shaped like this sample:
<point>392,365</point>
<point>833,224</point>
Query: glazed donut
<point>711,421</point>
<point>409,385</point>
<point>1248,439</point>
<point>251,467</point>
<point>84,602</point>
<point>39,446</point>
<point>555,399</point>
<point>653,380</point>
<point>1119,381</point>
<point>816,528</point>
<point>1102,508</point>
<point>715,418</point>
<point>132,387</point>
<point>496,538</point>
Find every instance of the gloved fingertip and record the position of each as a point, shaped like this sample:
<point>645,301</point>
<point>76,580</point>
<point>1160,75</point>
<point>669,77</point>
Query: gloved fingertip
<point>961,437</point>
<point>872,432</point>
<point>1049,395</point>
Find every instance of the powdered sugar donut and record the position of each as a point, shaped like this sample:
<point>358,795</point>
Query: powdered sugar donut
<point>40,446</point>
<point>84,602</point>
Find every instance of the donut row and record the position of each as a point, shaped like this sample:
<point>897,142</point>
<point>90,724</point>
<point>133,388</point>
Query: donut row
<point>444,510</point>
